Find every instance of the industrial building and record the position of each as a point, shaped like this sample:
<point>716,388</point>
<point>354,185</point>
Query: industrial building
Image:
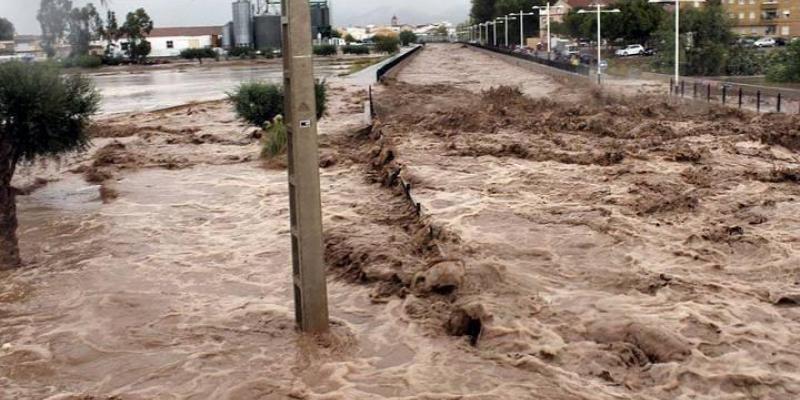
<point>257,24</point>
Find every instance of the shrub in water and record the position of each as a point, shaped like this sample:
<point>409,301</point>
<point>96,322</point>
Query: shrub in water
<point>85,61</point>
<point>355,49</point>
<point>386,44</point>
<point>259,103</point>
<point>325,50</point>
<point>198,54</point>
<point>274,143</point>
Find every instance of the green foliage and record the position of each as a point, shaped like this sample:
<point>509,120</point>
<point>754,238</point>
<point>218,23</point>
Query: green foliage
<point>241,52</point>
<point>321,94</point>
<point>349,39</point>
<point>355,49</point>
<point>386,43</point>
<point>705,37</point>
<point>85,25</point>
<point>407,37</point>
<point>336,34</point>
<point>84,61</point>
<point>785,67</point>
<point>136,28</point>
<point>745,61</point>
<point>53,17</point>
<point>483,10</point>
<point>6,29</point>
<point>259,103</point>
<point>275,142</point>
<point>198,54</point>
<point>42,112</point>
<point>325,50</point>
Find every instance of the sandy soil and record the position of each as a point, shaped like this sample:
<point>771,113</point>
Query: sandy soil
<point>596,248</point>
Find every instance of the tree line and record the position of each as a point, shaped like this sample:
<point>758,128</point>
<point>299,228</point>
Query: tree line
<point>708,45</point>
<point>79,26</point>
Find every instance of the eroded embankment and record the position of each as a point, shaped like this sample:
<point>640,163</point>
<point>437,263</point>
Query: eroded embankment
<point>630,243</point>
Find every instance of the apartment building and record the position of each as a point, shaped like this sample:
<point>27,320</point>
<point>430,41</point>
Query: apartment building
<point>765,17</point>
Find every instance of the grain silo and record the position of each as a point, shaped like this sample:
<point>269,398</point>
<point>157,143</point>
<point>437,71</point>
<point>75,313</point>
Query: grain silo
<point>267,32</point>
<point>243,23</point>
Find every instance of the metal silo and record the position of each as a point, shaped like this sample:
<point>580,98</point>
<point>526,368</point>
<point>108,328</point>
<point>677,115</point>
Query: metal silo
<point>267,32</point>
<point>243,23</point>
<point>227,36</point>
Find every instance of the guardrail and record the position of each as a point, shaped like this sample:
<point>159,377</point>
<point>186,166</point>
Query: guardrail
<point>760,99</point>
<point>579,69</point>
<point>385,69</point>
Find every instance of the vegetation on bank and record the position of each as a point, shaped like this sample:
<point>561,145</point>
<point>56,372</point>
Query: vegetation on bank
<point>325,50</point>
<point>261,104</point>
<point>386,43</point>
<point>199,54</point>
<point>43,113</point>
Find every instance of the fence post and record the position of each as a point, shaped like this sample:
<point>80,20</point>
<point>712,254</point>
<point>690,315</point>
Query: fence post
<point>740,97</point>
<point>671,84</point>
<point>724,95</point>
<point>758,101</point>
<point>708,93</point>
<point>779,101</point>
<point>683,84</point>
<point>694,93</point>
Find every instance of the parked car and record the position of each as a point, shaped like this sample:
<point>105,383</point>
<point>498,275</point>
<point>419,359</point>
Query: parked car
<point>781,41</point>
<point>587,59</point>
<point>649,51</point>
<point>765,42</point>
<point>747,42</point>
<point>632,50</point>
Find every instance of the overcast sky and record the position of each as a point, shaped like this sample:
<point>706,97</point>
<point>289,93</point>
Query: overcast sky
<point>217,12</point>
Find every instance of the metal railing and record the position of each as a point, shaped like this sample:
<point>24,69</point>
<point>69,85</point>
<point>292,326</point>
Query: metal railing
<point>580,69</point>
<point>742,96</point>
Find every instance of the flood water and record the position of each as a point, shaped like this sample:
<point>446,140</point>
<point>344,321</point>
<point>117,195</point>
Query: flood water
<point>162,88</point>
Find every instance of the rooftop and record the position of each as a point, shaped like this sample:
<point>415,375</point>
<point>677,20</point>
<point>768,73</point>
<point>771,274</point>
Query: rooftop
<point>186,31</point>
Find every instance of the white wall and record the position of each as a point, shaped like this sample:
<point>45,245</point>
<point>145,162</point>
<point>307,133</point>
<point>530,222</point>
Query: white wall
<point>179,43</point>
<point>159,45</point>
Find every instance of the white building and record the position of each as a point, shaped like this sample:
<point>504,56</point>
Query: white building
<point>169,42</point>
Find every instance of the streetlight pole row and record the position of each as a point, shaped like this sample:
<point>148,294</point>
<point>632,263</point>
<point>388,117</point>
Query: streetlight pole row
<point>599,11</point>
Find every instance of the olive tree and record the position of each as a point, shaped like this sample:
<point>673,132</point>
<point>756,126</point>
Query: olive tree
<point>42,113</point>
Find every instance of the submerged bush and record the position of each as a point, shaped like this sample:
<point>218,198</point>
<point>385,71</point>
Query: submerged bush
<point>275,142</point>
<point>325,50</point>
<point>199,54</point>
<point>386,44</point>
<point>85,61</point>
<point>350,49</point>
<point>258,103</point>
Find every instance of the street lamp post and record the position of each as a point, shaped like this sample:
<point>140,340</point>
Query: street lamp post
<point>677,34</point>
<point>494,32</point>
<point>522,27</point>
<point>547,11</point>
<point>599,11</point>
<point>505,21</point>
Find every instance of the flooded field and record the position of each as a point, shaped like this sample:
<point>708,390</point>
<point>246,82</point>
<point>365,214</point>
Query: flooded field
<point>570,245</point>
<point>146,90</point>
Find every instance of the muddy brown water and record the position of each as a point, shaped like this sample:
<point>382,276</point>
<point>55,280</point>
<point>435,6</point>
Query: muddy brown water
<point>179,288</point>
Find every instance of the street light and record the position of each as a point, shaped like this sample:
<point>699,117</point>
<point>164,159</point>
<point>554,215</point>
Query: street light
<point>494,32</point>
<point>522,27</point>
<point>599,38</point>
<point>506,18</point>
<point>547,11</point>
<point>677,33</point>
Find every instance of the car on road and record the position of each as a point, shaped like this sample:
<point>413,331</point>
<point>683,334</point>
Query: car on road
<point>632,50</point>
<point>765,42</point>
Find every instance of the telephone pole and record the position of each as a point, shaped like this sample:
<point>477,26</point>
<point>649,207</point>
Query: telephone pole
<point>308,266</point>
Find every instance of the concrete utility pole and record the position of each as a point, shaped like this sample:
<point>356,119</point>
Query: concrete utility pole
<point>522,15</point>
<point>308,267</point>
